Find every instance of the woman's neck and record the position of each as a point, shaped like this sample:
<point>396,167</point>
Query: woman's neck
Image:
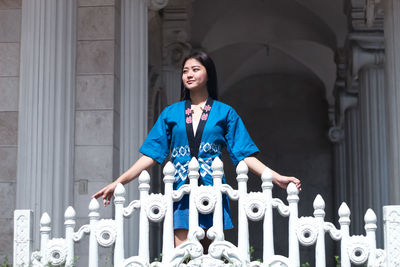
<point>198,96</point>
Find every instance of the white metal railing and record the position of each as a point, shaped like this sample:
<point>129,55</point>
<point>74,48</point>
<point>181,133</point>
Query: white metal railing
<point>206,199</point>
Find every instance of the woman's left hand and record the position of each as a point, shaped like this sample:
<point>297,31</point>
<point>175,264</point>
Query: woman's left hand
<point>283,181</point>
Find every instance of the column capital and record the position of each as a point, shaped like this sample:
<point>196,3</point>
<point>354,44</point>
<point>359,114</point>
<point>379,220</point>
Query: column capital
<point>361,58</point>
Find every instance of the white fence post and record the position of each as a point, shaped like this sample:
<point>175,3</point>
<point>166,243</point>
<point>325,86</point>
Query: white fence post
<point>94,216</point>
<point>168,230</point>
<point>319,214</point>
<point>144,188</point>
<point>69,234</point>
<point>119,200</point>
<point>193,213</point>
<point>344,221</point>
<point>293,199</point>
<point>218,221</point>
<point>22,237</point>
<point>45,230</point>
<point>268,234</point>
<point>370,228</point>
<point>243,227</point>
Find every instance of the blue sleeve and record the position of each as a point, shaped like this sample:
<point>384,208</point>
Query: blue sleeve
<point>238,140</point>
<point>157,143</point>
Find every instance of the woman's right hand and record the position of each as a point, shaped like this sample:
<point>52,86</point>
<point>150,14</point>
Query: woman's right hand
<point>107,193</point>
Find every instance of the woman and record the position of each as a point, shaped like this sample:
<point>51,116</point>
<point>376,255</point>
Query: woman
<point>199,126</point>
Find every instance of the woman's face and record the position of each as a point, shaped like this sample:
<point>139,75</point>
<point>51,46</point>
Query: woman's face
<point>194,75</point>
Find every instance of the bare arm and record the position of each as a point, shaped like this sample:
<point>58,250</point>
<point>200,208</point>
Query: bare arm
<point>257,167</point>
<point>143,163</point>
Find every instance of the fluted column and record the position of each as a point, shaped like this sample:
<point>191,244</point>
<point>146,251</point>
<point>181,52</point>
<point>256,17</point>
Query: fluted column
<point>373,141</point>
<point>353,172</point>
<point>46,109</point>
<point>392,92</point>
<point>134,73</point>
<point>134,94</point>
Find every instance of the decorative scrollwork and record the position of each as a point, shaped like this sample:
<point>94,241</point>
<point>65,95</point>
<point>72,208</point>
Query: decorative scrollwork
<point>184,250</point>
<point>85,229</point>
<point>254,205</point>
<point>205,199</point>
<point>333,232</point>
<point>307,230</point>
<point>225,249</point>
<point>56,251</point>
<point>178,194</point>
<point>358,249</point>
<point>156,207</point>
<point>106,232</point>
<point>36,258</point>
<point>232,194</point>
<point>380,256</point>
<point>205,261</point>
<point>282,208</point>
<point>134,261</point>
<point>278,261</point>
<point>134,205</point>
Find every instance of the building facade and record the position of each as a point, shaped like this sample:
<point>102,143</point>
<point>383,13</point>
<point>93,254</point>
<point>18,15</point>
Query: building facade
<point>82,81</point>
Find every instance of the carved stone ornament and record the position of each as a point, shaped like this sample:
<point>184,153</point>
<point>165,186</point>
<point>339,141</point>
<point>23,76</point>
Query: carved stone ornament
<point>336,134</point>
<point>176,52</point>
<point>205,199</point>
<point>307,230</point>
<point>156,207</point>
<point>232,193</point>
<point>358,249</point>
<point>157,4</point>
<point>56,251</point>
<point>106,232</point>
<point>254,205</point>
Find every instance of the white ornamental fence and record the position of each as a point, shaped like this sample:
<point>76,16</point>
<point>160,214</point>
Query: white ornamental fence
<point>256,206</point>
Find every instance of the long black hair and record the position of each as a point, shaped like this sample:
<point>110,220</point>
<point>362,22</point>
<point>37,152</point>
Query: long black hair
<point>208,63</point>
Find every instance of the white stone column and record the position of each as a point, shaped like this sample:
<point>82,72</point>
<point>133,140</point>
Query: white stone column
<point>46,110</point>
<point>373,142</point>
<point>134,74</point>
<point>392,71</point>
<point>353,172</point>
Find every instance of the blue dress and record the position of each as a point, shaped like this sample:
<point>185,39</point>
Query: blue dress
<point>219,127</point>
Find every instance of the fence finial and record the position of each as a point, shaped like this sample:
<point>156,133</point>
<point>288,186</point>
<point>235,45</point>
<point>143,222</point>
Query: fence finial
<point>319,203</point>
<point>242,168</point>
<point>45,220</point>
<point>292,189</point>
<point>144,177</point>
<point>370,217</point>
<point>94,205</point>
<point>217,164</point>
<point>169,169</point>
<point>119,191</point>
<point>194,165</point>
<point>69,213</point>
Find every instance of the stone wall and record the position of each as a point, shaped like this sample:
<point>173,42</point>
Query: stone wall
<point>10,29</point>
